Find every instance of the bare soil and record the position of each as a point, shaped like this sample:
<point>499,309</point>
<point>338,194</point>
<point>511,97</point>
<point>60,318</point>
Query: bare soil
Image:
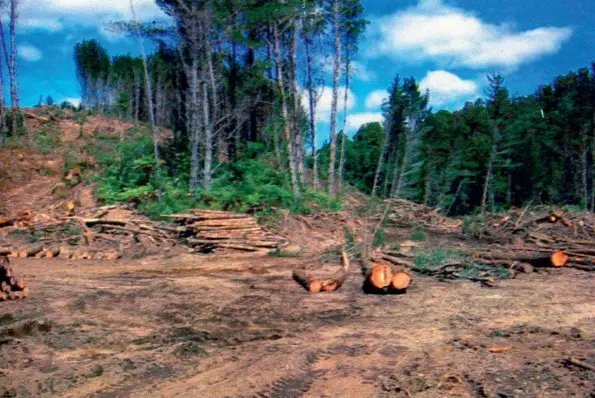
<point>238,326</point>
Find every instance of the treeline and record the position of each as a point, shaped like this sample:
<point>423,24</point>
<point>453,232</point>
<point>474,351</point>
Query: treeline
<point>231,73</point>
<point>495,153</point>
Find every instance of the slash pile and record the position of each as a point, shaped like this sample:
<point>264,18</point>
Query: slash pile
<point>10,287</point>
<point>209,230</point>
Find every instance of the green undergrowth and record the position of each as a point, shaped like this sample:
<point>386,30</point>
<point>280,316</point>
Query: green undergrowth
<point>251,184</point>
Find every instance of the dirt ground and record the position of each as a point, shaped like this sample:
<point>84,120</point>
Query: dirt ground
<point>238,326</point>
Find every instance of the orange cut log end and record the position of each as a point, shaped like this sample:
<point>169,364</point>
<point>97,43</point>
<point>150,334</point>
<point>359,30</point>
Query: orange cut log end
<point>401,280</point>
<point>315,286</point>
<point>381,276</point>
<point>559,259</point>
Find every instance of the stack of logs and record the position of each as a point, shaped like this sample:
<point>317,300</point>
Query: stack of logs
<point>209,230</point>
<point>10,287</point>
<point>318,284</point>
<point>65,252</point>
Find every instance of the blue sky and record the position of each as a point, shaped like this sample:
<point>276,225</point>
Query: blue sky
<point>449,46</point>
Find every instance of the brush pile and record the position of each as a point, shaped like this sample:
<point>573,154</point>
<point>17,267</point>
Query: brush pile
<point>545,237</point>
<point>210,230</point>
<point>10,287</point>
<point>404,213</point>
<point>100,233</point>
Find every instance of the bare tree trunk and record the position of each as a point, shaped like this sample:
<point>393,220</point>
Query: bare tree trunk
<point>137,89</point>
<point>149,93</point>
<point>210,118</point>
<point>12,58</point>
<point>208,138</point>
<point>284,113</point>
<point>487,179</point>
<point>345,99</point>
<point>3,131</point>
<point>593,166</point>
<point>158,100</point>
<point>397,189</point>
<point>194,128</point>
<point>585,200</point>
<point>335,95</point>
<point>380,163</point>
<point>298,146</point>
<point>312,107</point>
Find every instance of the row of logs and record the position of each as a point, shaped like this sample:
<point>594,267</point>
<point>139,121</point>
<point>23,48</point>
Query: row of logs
<point>10,287</point>
<point>64,252</point>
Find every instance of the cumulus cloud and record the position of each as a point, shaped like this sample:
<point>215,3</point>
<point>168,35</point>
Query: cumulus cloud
<point>29,53</point>
<point>376,98</point>
<point>434,30</point>
<point>323,107</point>
<point>446,88</point>
<point>355,121</point>
<point>53,15</point>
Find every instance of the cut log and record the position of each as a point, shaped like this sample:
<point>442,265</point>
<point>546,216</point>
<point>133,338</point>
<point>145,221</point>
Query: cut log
<point>40,255</point>
<point>3,296</point>
<point>401,281</point>
<point>554,259</point>
<point>5,251</point>
<point>40,119</point>
<point>52,252</point>
<point>5,287</point>
<point>308,282</point>
<point>381,276</point>
<point>7,222</point>
<point>65,252</point>
<point>30,252</point>
<point>113,256</point>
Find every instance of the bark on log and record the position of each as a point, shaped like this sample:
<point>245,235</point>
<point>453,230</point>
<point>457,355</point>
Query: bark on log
<point>307,281</point>
<point>554,259</point>
<point>30,252</point>
<point>52,252</point>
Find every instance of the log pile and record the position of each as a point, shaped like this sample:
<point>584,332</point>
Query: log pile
<point>209,230</point>
<point>10,287</point>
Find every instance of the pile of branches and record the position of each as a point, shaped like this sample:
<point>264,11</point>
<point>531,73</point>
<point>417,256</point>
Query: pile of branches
<point>549,236</point>
<point>93,234</point>
<point>10,287</point>
<point>404,213</point>
<point>209,230</point>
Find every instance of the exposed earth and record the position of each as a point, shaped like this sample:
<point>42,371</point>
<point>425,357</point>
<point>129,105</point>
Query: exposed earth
<point>237,325</point>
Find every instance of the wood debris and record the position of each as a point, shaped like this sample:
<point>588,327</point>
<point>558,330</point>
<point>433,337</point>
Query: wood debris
<point>10,287</point>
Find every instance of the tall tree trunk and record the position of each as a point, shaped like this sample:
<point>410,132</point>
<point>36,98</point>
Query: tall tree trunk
<point>380,163</point>
<point>149,93</point>
<point>297,131</point>
<point>284,114</point>
<point>488,178</point>
<point>3,131</point>
<point>194,127</point>
<point>397,189</point>
<point>312,108</point>
<point>12,60</point>
<point>584,176</point>
<point>208,138</point>
<point>335,95</point>
<point>209,115</point>
<point>137,89</point>
<point>345,100</point>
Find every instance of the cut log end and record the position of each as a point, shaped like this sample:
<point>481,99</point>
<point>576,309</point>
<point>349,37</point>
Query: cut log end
<point>559,259</point>
<point>381,276</point>
<point>401,281</point>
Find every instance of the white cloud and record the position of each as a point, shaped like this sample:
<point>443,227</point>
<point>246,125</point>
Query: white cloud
<point>376,98</point>
<point>446,87</point>
<point>29,53</point>
<point>355,121</point>
<point>434,30</point>
<point>53,15</point>
<point>323,107</point>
